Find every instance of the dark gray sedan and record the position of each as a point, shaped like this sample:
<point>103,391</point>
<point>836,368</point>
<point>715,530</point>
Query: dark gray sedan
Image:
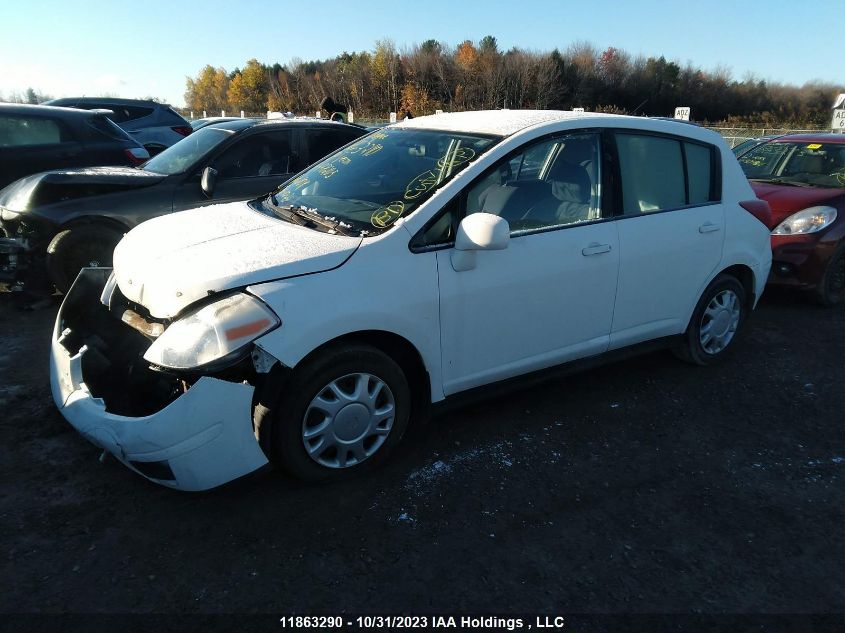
<point>71,218</point>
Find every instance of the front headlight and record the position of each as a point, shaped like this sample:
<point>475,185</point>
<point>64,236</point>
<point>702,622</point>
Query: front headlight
<point>7,215</point>
<point>212,333</point>
<point>806,221</point>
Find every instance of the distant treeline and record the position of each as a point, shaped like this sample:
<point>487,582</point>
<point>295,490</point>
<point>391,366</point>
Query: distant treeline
<point>471,76</point>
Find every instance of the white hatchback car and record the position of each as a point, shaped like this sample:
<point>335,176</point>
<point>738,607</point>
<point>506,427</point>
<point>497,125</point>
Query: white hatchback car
<point>422,261</point>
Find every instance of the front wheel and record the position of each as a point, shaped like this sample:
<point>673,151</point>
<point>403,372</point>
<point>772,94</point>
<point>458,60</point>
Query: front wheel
<point>715,322</point>
<point>79,247</point>
<point>343,412</point>
<point>831,289</point>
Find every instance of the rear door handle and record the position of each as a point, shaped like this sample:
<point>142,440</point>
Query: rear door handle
<point>708,227</point>
<point>595,249</point>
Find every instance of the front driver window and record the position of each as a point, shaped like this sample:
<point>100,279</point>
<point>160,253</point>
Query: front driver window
<point>552,183</point>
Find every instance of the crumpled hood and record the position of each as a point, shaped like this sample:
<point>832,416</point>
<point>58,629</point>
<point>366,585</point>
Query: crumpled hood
<point>785,200</point>
<point>65,184</point>
<point>167,263</point>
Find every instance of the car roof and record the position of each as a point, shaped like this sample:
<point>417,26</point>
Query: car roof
<point>811,138</point>
<point>116,101</point>
<point>24,108</point>
<point>237,125</point>
<point>508,122</point>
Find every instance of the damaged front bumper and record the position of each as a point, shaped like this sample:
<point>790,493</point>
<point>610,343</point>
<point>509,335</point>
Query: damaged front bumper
<point>14,254</point>
<point>198,440</point>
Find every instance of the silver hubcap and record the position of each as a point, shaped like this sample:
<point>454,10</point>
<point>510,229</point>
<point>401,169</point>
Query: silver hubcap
<point>719,322</point>
<point>348,420</point>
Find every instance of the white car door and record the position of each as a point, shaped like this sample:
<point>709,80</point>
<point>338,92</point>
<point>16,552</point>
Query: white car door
<point>671,234</point>
<point>548,297</point>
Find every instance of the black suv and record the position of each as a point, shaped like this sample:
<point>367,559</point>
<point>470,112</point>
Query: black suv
<point>75,218</point>
<point>35,138</point>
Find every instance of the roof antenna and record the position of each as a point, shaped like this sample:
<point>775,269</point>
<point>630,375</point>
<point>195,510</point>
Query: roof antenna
<point>637,109</point>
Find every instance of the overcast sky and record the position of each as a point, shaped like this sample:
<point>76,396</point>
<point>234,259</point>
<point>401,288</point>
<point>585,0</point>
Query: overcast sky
<point>65,48</point>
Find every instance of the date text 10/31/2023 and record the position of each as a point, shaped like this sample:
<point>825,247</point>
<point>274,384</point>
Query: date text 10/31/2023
<point>422,622</point>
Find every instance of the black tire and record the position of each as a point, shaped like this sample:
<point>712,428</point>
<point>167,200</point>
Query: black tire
<point>692,350</point>
<point>78,247</point>
<point>288,421</point>
<point>831,288</point>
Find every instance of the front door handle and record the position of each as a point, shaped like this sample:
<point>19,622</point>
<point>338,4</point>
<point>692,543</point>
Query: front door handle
<point>708,227</point>
<point>595,249</point>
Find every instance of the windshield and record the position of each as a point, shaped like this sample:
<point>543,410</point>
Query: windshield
<point>383,176</point>
<point>801,164</point>
<point>180,156</point>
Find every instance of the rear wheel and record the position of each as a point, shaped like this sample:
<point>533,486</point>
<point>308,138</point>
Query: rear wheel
<point>831,289</point>
<point>715,322</point>
<point>343,412</point>
<point>79,247</point>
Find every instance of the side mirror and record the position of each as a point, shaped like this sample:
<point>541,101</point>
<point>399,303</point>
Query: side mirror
<point>209,179</point>
<point>479,232</point>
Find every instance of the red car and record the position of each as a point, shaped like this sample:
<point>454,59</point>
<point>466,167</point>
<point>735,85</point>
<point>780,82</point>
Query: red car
<point>802,177</point>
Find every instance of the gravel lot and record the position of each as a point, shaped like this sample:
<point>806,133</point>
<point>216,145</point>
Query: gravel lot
<point>647,486</point>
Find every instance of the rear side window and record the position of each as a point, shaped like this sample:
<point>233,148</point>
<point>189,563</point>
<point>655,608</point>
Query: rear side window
<point>660,173</point>
<point>121,113</point>
<point>15,131</point>
<point>321,142</point>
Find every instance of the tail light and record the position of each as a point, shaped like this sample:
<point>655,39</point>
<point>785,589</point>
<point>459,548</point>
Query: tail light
<point>759,209</point>
<point>184,130</point>
<point>137,155</point>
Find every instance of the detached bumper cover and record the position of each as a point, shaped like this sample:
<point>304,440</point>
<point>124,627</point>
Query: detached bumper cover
<point>199,441</point>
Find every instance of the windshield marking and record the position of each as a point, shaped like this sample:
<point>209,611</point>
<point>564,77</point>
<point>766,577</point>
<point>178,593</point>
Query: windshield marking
<point>328,170</point>
<point>384,216</point>
<point>420,184</point>
<point>367,193</point>
<point>446,163</point>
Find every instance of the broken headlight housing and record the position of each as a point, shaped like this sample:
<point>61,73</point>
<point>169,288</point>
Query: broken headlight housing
<point>217,333</point>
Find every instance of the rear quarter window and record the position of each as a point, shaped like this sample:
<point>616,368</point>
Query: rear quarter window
<point>700,172</point>
<point>20,130</point>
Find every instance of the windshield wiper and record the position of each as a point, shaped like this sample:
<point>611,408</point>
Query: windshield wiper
<point>783,181</point>
<point>311,216</point>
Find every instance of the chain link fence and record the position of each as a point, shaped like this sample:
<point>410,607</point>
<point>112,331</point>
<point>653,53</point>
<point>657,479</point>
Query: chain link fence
<point>736,135</point>
<point>733,135</point>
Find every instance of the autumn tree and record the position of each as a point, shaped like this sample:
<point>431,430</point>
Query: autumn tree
<point>415,100</point>
<point>434,75</point>
<point>248,89</point>
<point>208,91</point>
<point>385,67</point>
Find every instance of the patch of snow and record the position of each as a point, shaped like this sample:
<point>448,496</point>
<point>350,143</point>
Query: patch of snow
<point>419,480</point>
<point>500,122</point>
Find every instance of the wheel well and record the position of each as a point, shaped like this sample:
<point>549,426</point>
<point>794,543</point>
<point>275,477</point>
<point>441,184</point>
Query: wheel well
<point>406,356</point>
<point>745,276</point>
<point>97,220</point>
